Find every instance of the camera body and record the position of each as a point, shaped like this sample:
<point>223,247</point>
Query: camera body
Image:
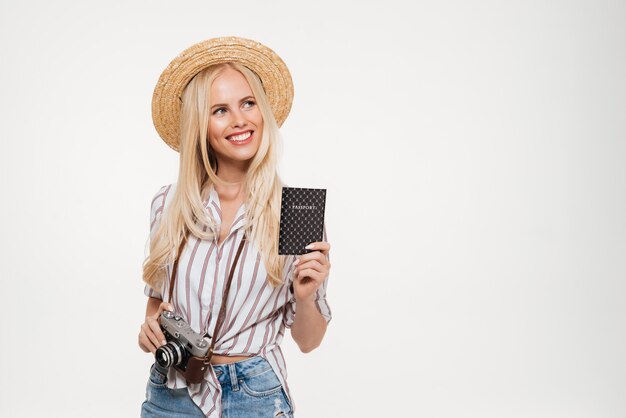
<point>182,342</point>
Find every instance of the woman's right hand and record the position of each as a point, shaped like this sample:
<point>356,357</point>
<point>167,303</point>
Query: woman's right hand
<point>151,337</point>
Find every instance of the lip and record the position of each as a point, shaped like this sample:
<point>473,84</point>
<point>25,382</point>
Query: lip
<point>239,133</point>
<point>247,141</point>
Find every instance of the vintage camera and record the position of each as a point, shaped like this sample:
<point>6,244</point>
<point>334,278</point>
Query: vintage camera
<point>182,342</point>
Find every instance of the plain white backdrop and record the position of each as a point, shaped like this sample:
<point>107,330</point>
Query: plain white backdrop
<point>474,154</point>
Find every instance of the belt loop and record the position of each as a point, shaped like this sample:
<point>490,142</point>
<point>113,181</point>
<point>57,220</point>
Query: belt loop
<point>233,377</point>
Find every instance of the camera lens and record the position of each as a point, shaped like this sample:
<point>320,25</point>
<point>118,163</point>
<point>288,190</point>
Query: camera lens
<point>170,354</point>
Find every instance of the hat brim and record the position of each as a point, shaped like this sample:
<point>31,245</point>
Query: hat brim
<point>166,99</point>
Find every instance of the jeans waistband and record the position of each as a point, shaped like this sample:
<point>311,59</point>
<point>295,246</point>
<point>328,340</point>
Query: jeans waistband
<point>230,373</point>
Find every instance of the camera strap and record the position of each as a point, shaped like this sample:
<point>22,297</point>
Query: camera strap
<point>222,312</point>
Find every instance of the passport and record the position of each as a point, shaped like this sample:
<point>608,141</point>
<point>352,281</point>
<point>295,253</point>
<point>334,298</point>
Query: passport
<point>301,219</point>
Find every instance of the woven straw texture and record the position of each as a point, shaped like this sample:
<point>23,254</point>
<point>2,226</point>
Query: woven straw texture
<point>166,100</point>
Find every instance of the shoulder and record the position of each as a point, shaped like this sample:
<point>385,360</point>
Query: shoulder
<point>160,199</point>
<point>164,194</point>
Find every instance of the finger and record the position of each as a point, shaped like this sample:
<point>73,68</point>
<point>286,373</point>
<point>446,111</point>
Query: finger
<point>164,306</point>
<point>312,264</point>
<point>145,344</point>
<point>310,274</point>
<point>154,332</point>
<point>322,246</point>
<point>315,255</point>
<point>158,333</point>
<point>140,343</point>
<point>149,338</point>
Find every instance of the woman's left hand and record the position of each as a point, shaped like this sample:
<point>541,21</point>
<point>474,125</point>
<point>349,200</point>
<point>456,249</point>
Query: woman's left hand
<point>311,271</point>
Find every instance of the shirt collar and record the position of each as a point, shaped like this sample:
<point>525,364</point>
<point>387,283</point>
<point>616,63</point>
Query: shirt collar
<point>215,211</point>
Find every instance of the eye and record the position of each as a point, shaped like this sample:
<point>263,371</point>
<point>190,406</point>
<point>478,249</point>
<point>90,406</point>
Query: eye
<point>219,111</point>
<point>249,103</point>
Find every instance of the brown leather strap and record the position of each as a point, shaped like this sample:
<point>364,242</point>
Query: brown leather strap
<point>175,268</point>
<point>222,313</point>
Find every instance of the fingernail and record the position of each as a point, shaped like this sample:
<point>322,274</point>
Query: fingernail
<point>295,263</point>
<point>163,342</point>
<point>308,247</point>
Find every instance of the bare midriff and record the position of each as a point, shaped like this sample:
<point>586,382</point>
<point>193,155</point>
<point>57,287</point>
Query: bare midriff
<point>215,359</point>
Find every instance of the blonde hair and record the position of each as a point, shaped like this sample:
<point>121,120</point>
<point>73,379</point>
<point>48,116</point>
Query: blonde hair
<point>198,167</point>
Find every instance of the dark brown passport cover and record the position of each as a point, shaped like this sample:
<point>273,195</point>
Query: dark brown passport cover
<point>301,219</point>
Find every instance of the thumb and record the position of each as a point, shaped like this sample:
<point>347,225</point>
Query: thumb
<point>165,307</point>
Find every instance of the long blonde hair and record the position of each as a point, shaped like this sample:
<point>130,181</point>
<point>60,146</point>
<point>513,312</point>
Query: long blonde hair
<point>186,213</point>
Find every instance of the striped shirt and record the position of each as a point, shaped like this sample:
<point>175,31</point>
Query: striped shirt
<point>256,313</point>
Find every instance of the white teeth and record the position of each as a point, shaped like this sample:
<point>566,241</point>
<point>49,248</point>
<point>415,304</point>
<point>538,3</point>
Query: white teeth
<point>241,137</point>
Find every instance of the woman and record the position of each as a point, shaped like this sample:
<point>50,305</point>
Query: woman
<point>220,104</point>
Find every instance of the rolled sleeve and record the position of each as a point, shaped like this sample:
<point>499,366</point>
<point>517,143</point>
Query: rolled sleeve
<point>156,211</point>
<point>156,208</point>
<point>320,302</point>
<point>320,297</point>
<point>151,293</point>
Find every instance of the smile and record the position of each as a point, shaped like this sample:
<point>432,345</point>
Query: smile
<point>240,138</point>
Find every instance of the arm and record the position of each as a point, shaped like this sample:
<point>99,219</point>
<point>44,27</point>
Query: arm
<point>309,325</point>
<point>152,306</point>
<point>150,335</point>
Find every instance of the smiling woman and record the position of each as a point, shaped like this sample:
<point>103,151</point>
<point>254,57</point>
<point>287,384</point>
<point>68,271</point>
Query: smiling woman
<point>220,103</point>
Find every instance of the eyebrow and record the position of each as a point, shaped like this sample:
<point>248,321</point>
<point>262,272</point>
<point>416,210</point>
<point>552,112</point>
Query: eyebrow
<point>224,104</point>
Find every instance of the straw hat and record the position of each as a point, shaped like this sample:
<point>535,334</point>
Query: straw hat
<point>166,100</point>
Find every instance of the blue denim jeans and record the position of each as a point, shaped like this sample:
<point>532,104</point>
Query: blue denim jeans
<point>250,389</point>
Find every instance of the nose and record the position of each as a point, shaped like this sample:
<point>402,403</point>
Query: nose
<point>238,119</point>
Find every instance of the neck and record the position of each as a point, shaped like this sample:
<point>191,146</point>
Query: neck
<point>232,174</point>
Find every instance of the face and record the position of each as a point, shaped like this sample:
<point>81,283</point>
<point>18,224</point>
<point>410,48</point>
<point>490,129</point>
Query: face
<point>235,121</point>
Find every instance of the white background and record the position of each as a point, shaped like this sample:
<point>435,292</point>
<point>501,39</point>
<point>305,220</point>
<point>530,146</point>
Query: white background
<point>474,156</point>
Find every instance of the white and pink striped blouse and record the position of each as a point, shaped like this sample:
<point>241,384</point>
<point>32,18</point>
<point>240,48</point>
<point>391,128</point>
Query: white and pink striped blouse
<point>257,313</point>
